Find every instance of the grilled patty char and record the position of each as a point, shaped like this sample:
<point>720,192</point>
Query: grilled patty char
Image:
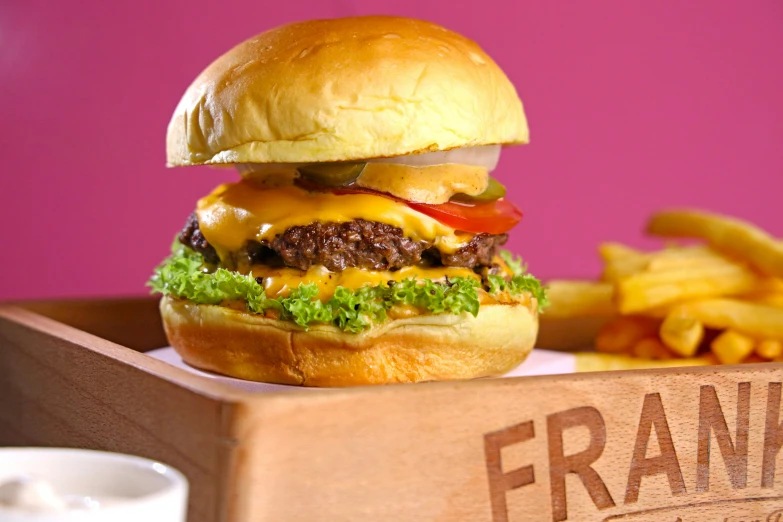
<point>359,243</point>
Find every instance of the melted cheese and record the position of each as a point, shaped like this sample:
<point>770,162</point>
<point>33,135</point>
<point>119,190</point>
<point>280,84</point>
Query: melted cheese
<point>278,282</point>
<point>238,212</point>
<point>505,270</point>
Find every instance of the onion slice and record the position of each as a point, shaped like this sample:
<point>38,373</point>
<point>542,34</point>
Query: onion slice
<point>486,156</point>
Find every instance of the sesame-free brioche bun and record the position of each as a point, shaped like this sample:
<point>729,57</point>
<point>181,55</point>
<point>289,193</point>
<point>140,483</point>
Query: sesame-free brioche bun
<point>415,349</point>
<point>345,89</point>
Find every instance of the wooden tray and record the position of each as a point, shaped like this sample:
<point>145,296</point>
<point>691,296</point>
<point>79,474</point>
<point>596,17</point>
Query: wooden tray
<point>658,445</point>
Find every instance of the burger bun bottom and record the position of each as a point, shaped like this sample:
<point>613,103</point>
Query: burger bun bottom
<point>414,349</point>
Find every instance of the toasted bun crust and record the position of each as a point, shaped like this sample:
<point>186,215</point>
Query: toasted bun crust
<point>344,89</point>
<point>421,348</point>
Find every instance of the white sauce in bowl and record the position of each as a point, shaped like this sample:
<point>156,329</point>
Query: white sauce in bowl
<point>27,493</point>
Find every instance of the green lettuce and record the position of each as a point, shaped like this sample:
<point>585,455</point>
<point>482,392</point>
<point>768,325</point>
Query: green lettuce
<point>184,275</point>
<point>515,263</point>
<point>517,285</point>
<point>520,282</point>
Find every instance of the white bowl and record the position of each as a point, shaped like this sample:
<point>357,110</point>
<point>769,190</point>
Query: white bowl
<point>133,488</point>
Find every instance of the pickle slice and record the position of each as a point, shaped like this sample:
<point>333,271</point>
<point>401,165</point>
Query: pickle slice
<point>332,174</point>
<point>494,191</point>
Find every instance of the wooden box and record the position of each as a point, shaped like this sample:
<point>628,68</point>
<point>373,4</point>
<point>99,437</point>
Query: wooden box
<point>700,444</point>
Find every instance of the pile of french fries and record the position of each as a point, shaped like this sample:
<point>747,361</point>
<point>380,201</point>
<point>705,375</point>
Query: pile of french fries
<point>713,293</point>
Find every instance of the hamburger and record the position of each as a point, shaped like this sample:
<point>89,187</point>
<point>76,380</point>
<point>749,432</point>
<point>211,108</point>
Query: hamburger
<point>361,242</point>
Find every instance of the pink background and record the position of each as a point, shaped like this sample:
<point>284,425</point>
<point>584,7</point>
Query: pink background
<point>632,106</point>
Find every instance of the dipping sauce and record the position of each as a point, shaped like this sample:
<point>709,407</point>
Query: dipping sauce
<point>27,493</point>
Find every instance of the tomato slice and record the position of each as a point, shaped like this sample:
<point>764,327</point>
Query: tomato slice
<point>497,217</point>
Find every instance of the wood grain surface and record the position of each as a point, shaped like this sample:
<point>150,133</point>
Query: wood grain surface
<point>688,445</point>
<point>66,388</point>
<point>569,334</point>
<point>695,444</point>
<point>131,322</point>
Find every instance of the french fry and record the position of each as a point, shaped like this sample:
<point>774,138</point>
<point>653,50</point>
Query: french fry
<point>769,349</point>
<point>579,299</point>
<point>769,291</point>
<point>616,270</point>
<point>754,320</point>
<point>682,334</point>
<point>621,261</point>
<point>773,299</point>
<point>647,290</point>
<point>621,334</point>
<point>612,251</point>
<point>651,348</point>
<point>754,358</point>
<point>659,312</point>
<point>734,236</point>
<point>682,258</point>
<point>770,285</point>
<point>694,258</point>
<point>732,347</point>
<point>598,362</point>
<point>664,302</point>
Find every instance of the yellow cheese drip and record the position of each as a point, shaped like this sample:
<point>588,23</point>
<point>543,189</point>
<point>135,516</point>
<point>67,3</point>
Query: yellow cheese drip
<point>278,282</point>
<point>238,212</point>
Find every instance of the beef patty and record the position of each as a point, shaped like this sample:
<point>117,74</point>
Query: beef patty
<point>359,243</point>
